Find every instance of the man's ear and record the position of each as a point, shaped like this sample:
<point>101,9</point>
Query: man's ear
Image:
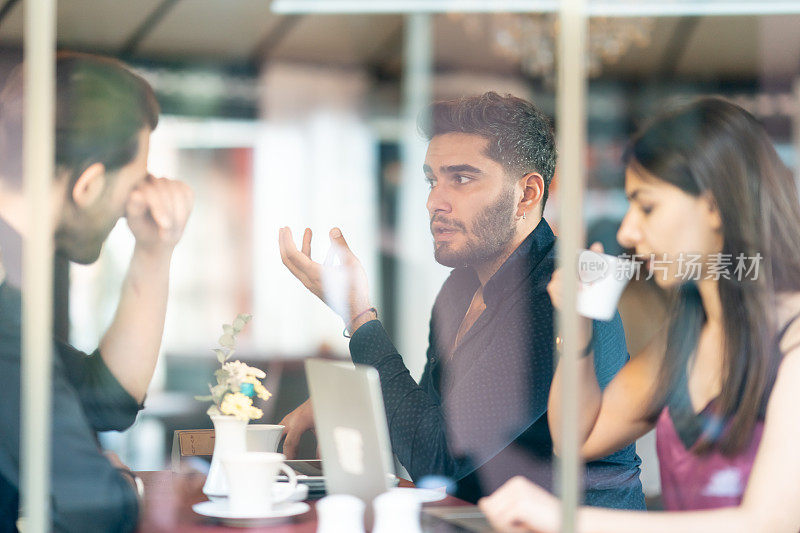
<point>89,186</point>
<point>532,192</point>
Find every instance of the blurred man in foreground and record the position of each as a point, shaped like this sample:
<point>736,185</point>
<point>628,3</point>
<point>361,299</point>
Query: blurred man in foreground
<point>104,116</point>
<point>478,415</point>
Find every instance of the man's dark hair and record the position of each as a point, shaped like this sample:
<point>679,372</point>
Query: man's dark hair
<point>520,136</point>
<point>101,106</point>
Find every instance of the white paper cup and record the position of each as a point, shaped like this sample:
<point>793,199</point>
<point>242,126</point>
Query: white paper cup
<point>602,278</point>
<point>251,476</point>
<point>263,437</point>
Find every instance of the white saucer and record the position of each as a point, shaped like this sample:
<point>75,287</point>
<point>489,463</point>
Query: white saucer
<point>300,493</point>
<point>278,513</point>
<point>423,495</point>
<point>279,489</point>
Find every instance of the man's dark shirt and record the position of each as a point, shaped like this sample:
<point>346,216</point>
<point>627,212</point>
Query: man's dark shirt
<point>479,415</point>
<point>87,492</point>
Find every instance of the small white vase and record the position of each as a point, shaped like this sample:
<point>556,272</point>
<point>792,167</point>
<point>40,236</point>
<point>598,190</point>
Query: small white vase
<point>230,437</point>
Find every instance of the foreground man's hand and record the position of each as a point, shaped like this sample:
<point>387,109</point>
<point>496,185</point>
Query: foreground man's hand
<point>297,422</point>
<point>520,505</point>
<point>114,459</point>
<point>130,477</point>
<point>157,212</point>
<point>354,288</point>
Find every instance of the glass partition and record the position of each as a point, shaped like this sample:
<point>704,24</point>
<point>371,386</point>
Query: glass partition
<point>306,114</point>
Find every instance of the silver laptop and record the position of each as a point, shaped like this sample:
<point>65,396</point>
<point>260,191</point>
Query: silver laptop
<point>351,428</point>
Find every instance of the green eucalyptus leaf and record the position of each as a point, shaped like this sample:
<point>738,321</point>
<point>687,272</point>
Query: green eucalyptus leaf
<point>228,341</point>
<point>219,394</point>
<point>222,376</point>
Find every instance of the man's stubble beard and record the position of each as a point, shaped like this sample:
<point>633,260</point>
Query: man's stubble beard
<point>491,233</point>
<point>80,237</point>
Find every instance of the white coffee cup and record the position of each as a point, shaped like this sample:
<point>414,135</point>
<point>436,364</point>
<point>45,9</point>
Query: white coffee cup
<point>602,278</point>
<point>251,476</point>
<point>263,437</point>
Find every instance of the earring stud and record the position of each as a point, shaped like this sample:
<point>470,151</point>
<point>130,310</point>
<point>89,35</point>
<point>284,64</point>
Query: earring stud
<point>523,215</point>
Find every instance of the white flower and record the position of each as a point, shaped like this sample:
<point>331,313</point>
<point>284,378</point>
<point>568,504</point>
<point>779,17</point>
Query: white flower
<point>238,405</point>
<point>239,373</point>
<point>262,392</point>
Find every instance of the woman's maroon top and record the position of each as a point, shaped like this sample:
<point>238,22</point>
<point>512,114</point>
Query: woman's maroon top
<point>690,481</point>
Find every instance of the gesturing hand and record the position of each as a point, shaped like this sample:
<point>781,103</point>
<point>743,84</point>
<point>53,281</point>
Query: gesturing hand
<point>343,287</point>
<point>157,211</point>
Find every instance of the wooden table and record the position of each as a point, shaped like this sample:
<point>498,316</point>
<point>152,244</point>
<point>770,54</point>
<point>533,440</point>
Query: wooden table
<point>169,497</point>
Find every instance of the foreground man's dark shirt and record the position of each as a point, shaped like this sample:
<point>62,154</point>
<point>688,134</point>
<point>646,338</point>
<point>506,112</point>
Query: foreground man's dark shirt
<point>87,492</point>
<point>479,415</point>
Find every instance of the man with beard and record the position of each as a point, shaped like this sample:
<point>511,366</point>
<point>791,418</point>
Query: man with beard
<point>104,116</point>
<point>478,415</point>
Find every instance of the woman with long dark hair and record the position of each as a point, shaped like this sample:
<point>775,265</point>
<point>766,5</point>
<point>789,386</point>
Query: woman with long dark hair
<point>720,385</point>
